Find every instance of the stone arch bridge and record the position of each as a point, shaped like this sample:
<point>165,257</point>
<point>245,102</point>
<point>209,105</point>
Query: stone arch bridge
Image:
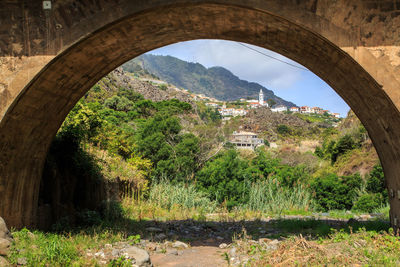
<point>52,52</point>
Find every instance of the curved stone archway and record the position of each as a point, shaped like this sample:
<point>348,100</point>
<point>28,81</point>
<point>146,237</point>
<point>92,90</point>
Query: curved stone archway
<point>31,118</point>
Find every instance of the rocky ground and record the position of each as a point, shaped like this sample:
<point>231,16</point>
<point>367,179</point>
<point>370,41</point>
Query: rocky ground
<point>192,243</point>
<point>213,242</point>
<point>148,89</point>
<point>5,242</point>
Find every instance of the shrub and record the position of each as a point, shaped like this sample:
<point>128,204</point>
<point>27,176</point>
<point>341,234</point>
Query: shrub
<point>344,144</point>
<point>266,143</point>
<point>376,181</point>
<point>368,202</point>
<point>111,210</point>
<point>333,192</point>
<point>318,152</point>
<point>224,178</point>
<point>283,129</point>
<point>163,87</point>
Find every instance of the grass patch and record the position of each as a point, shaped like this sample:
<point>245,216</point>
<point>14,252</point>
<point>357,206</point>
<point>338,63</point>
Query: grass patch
<point>40,249</point>
<point>362,248</point>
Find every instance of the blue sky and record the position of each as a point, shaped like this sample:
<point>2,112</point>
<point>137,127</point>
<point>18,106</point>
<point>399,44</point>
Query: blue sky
<point>302,87</point>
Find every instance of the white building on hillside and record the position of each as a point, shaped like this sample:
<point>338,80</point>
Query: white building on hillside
<point>294,109</point>
<point>258,103</point>
<point>279,108</point>
<point>247,140</point>
<point>254,104</point>
<point>261,98</point>
<point>336,115</point>
<point>305,109</point>
<point>232,112</point>
<point>212,104</point>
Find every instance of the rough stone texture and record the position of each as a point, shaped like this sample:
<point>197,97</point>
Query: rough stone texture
<point>86,39</point>
<point>3,262</point>
<point>4,247</point>
<point>141,257</point>
<point>4,232</point>
<point>179,244</point>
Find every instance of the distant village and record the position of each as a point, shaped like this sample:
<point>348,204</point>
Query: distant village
<point>227,113</point>
<point>242,139</point>
<point>250,140</point>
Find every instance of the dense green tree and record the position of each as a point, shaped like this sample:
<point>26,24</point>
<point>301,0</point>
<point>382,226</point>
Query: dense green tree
<point>283,129</point>
<point>333,192</point>
<point>130,94</point>
<point>226,178</point>
<point>345,143</point>
<point>376,183</point>
<point>368,202</point>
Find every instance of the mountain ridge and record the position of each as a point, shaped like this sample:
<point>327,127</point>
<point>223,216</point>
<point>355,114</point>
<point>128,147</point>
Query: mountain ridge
<point>216,81</point>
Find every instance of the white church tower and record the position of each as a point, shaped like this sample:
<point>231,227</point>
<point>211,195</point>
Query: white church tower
<point>261,98</point>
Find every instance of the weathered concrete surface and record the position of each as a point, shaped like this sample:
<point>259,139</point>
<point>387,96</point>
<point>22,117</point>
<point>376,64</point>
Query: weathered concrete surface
<point>50,58</point>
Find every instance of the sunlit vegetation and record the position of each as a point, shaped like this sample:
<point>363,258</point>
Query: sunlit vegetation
<point>173,143</point>
<point>173,161</point>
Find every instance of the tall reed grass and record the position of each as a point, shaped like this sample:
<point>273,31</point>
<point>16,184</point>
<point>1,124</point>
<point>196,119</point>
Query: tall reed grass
<point>167,195</point>
<point>270,197</point>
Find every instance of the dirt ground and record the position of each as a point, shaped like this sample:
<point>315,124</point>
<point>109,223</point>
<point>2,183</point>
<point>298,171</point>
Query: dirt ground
<point>197,256</point>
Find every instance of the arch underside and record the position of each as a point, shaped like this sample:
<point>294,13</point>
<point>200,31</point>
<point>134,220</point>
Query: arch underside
<point>33,119</point>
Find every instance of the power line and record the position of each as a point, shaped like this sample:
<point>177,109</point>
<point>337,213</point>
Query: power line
<point>277,59</point>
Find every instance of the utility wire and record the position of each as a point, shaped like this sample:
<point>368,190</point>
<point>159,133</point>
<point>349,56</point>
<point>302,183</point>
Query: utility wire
<point>248,47</point>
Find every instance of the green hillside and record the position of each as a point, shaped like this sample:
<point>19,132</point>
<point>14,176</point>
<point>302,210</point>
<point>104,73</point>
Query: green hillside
<point>215,82</point>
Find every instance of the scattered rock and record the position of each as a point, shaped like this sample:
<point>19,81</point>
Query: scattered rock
<point>100,254</point>
<point>141,257</point>
<point>22,261</point>
<point>264,240</point>
<point>115,253</point>
<point>179,244</point>
<point>108,246</point>
<point>4,247</point>
<point>153,229</point>
<point>274,242</point>
<point>151,246</point>
<point>223,245</point>
<point>172,252</point>
<point>273,245</point>
<point>365,217</point>
<point>31,235</point>
<point>160,237</point>
<point>4,232</point>
<point>232,252</point>
<point>3,262</point>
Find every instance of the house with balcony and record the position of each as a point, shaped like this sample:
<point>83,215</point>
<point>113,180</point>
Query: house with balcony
<point>246,140</point>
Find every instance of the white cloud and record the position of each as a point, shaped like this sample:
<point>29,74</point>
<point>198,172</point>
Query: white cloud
<point>243,62</point>
<point>293,84</point>
<point>248,64</point>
